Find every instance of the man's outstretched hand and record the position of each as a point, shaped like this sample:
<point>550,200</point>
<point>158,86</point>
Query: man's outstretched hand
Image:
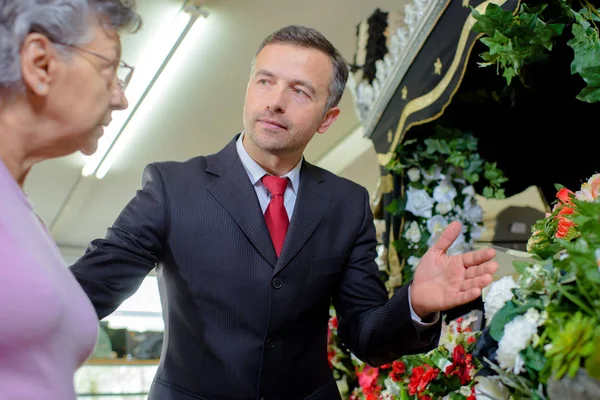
<point>442,282</point>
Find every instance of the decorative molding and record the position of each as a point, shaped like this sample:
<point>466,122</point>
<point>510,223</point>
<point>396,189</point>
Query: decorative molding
<point>420,16</point>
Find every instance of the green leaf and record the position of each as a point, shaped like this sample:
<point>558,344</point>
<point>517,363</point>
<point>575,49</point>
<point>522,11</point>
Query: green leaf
<point>589,94</point>
<point>574,367</point>
<point>457,159</point>
<point>439,146</point>
<point>396,207</point>
<point>586,47</point>
<point>488,192</point>
<point>533,358</point>
<point>509,74</point>
<point>592,363</point>
<point>521,266</point>
<point>494,18</point>
<point>507,314</point>
<point>515,40</point>
<point>404,394</point>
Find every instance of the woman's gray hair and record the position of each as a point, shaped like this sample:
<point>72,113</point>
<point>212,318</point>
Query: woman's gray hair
<point>62,21</point>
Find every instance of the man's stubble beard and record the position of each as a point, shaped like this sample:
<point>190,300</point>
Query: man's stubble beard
<point>273,145</point>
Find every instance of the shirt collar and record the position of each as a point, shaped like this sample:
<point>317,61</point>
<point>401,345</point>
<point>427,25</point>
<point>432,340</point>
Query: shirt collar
<point>256,172</point>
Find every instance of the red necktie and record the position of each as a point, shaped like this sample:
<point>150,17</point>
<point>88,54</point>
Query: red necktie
<point>275,216</point>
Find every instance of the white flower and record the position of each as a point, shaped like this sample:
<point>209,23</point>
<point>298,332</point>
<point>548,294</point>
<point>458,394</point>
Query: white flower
<point>413,262</point>
<point>518,334</point>
<point>443,208</point>
<point>490,388</point>
<point>391,388</point>
<point>465,391</point>
<point>499,294</point>
<point>445,192</point>
<point>469,191</point>
<point>590,190</point>
<point>435,176</point>
<point>414,174</point>
<point>459,246</point>
<point>473,213</point>
<point>433,238</point>
<point>476,231</point>
<point>597,254</point>
<point>419,203</point>
<point>436,224</point>
<point>413,233</point>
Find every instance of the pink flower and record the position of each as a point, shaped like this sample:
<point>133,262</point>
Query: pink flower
<point>368,377</point>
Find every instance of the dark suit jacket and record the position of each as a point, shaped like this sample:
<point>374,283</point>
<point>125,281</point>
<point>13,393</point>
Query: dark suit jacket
<point>240,323</point>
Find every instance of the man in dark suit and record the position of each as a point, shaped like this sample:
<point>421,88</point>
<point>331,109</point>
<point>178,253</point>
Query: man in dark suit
<point>253,243</point>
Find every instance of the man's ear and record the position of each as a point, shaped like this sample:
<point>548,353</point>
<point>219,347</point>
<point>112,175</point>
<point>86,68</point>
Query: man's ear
<point>329,118</point>
<point>38,57</point>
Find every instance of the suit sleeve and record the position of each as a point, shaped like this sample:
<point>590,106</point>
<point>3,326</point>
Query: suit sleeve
<point>377,330</point>
<point>113,268</point>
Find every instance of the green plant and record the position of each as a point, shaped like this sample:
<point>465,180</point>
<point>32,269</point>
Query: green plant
<point>528,36</point>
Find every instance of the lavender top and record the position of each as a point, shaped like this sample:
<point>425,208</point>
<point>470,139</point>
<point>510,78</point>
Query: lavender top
<point>48,326</point>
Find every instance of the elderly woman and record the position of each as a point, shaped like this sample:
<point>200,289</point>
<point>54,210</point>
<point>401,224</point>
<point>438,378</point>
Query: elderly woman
<point>60,79</point>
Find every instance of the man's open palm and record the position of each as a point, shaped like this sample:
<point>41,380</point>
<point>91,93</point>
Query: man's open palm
<point>442,282</point>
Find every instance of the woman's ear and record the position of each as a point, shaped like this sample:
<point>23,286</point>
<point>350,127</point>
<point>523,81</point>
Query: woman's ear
<point>38,56</point>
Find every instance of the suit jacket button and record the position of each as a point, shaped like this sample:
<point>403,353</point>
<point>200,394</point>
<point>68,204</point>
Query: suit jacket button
<point>277,283</point>
<point>270,343</point>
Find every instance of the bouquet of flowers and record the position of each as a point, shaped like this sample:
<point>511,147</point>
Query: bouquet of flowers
<point>543,335</point>
<point>437,176</point>
<point>444,373</point>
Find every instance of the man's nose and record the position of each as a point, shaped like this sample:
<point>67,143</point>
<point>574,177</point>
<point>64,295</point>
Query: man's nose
<point>278,101</point>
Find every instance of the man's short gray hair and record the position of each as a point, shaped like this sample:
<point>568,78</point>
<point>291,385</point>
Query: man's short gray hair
<point>62,21</point>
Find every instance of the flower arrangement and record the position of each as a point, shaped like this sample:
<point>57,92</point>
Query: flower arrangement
<point>445,372</point>
<point>438,175</point>
<point>543,338</point>
<point>437,178</point>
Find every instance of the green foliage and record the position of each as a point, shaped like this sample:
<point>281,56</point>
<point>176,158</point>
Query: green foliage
<point>447,160</point>
<point>528,36</point>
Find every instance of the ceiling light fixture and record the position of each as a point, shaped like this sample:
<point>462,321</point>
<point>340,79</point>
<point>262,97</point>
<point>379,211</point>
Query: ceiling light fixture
<point>148,70</point>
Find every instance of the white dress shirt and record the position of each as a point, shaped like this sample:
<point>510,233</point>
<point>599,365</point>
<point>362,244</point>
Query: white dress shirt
<point>256,172</point>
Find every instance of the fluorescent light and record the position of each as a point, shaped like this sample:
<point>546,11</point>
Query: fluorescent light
<point>148,69</point>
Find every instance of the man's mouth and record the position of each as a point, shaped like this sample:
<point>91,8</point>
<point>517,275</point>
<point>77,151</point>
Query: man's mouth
<point>272,124</point>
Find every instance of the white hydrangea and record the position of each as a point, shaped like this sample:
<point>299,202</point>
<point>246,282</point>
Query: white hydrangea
<point>436,224</point>
<point>445,192</point>
<point>414,174</point>
<point>473,213</point>
<point>413,233</point>
<point>476,231</point>
<point>518,334</point>
<point>436,175</point>
<point>498,295</point>
<point>444,207</point>
<point>459,246</point>
<point>413,262</point>
<point>469,191</point>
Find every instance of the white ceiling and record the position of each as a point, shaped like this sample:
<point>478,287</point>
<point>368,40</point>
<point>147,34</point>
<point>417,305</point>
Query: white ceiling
<point>198,108</point>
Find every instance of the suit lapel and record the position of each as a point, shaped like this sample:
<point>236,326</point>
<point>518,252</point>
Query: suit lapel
<point>234,191</point>
<point>311,205</point>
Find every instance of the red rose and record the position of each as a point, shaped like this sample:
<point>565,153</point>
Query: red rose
<point>564,195</point>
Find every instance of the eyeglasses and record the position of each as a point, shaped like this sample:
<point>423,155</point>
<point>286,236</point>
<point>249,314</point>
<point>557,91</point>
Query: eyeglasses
<point>124,71</point>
